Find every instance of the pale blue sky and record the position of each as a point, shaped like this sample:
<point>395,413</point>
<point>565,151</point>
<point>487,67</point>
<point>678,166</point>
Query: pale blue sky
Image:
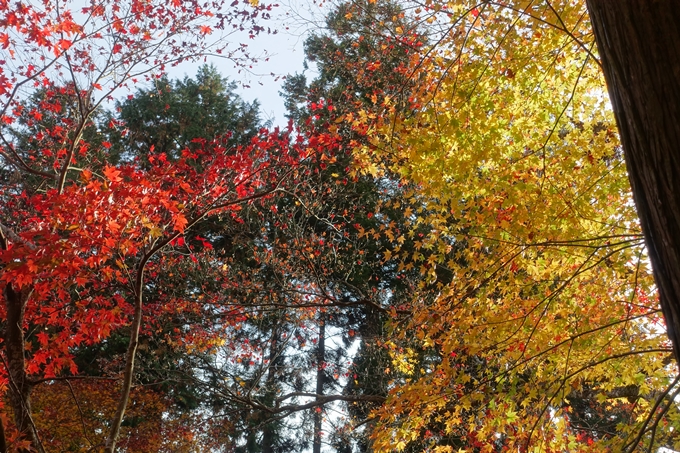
<point>285,49</point>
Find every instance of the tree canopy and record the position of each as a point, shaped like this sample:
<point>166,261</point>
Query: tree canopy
<point>441,252</point>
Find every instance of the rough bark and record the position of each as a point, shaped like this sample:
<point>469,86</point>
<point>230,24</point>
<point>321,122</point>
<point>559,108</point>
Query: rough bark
<point>639,46</point>
<point>320,359</point>
<point>19,384</point>
<point>269,431</point>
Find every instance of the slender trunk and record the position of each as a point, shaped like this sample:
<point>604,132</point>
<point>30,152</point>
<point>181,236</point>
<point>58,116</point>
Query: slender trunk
<point>129,364</point>
<point>269,430</point>
<point>320,360</point>
<point>639,45</point>
<point>15,347</point>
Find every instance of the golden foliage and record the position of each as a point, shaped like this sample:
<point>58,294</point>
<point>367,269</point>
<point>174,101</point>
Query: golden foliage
<point>521,185</point>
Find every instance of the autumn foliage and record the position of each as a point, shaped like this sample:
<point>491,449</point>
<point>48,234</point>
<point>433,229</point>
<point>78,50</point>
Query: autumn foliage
<point>449,196</point>
<point>80,235</point>
<point>520,176</point>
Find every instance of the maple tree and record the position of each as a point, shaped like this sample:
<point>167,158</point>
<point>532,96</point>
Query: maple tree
<point>235,259</point>
<point>267,286</point>
<point>138,232</point>
<point>159,366</point>
<point>80,235</point>
<point>520,177</point>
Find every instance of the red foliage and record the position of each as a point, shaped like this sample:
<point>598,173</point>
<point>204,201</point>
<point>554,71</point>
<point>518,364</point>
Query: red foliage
<point>78,235</point>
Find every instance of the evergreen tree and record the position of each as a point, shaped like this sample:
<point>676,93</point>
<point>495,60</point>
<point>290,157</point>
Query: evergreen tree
<point>172,114</point>
<point>360,58</point>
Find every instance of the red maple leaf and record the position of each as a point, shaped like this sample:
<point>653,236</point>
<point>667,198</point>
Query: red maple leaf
<point>112,174</point>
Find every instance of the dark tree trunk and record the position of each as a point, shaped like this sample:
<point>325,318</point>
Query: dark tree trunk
<point>3,438</point>
<point>269,431</point>
<point>320,360</point>
<point>639,45</point>
<point>19,384</point>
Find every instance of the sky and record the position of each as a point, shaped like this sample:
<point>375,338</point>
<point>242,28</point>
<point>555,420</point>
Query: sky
<point>281,54</point>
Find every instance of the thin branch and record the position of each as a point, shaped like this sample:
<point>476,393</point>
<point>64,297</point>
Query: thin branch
<point>629,448</point>
<point>80,411</point>
<point>8,233</point>
<point>72,378</point>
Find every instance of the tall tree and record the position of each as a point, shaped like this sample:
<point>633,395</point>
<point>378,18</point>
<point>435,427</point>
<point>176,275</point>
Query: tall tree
<point>160,367</point>
<point>639,44</point>
<point>360,59</point>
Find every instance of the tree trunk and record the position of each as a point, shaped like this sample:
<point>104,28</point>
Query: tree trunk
<point>3,438</point>
<point>131,353</point>
<point>320,360</point>
<point>270,431</point>
<point>639,45</point>
<point>19,384</point>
